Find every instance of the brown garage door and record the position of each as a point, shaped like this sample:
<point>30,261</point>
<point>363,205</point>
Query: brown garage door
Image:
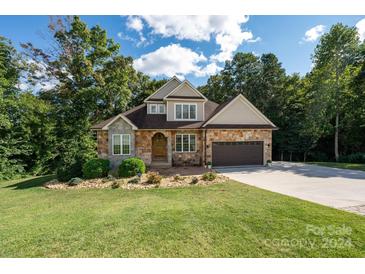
<point>237,153</point>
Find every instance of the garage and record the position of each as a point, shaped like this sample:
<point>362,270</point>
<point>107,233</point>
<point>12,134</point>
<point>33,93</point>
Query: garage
<point>237,153</point>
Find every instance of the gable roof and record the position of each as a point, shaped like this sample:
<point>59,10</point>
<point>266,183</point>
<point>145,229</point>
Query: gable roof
<point>253,110</point>
<point>103,125</point>
<point>143,120</point>
<point>169,86</point>
<point>138,118</point>
<point>175,93</point>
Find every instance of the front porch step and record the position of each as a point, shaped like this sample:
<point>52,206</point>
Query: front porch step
<point>160,164</point>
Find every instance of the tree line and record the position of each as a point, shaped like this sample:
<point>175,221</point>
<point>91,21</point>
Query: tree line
<point>50,97</point>
<point>321,116</point>
<point>79,79</point>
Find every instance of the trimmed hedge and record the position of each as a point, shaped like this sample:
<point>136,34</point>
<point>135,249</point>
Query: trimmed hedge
<point>131,167</point>
<point>95,168</point>
<point>66,172</point>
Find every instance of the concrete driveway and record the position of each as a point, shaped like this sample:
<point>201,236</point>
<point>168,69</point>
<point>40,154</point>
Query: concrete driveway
<point>339,188</point>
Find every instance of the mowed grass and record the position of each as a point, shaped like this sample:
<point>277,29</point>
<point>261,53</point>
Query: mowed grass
<point>341,165</point>
<point>223,220</point>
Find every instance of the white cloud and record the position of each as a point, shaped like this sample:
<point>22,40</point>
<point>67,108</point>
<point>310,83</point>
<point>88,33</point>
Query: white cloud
<point>135,23</point>
<point>361,29</point>
<point>314,33</point>
<point>208,70</point>
<point>229,43</point>
<point>174,60</point>
<point>226,30</point>
<point>257,39</point>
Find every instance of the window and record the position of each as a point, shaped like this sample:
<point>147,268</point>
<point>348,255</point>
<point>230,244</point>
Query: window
<point>116,144</point>
<point>121,144</point>
<point>161,109</point>
<point>185,143</point>
<point>126,144</point>
<point>153,108</point>
<point>178,111</point>
<point>192,112</point>
<point>157,108</point>
<point>185,111</point>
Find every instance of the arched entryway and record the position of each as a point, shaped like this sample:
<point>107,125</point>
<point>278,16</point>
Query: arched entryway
<point>159,147</point>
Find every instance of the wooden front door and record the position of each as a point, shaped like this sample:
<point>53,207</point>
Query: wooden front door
<point>159,147</point>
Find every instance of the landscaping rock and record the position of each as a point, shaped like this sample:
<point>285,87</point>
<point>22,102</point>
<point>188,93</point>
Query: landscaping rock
<point>166,182</point>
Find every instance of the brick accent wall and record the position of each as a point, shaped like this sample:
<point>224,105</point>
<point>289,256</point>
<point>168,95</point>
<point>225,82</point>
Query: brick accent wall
<point>236,135</point>
<point>102,140</point>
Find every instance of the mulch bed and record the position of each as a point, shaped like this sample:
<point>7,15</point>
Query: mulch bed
<point>166,182</point>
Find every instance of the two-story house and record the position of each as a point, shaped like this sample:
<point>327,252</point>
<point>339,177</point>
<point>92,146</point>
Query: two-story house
<point>178,125</point>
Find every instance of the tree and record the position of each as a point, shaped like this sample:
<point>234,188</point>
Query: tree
<point>86,80</point>
<point>25,130</point>
<point>10,146</point>
<point>336,51</point>
<point>142,88</point>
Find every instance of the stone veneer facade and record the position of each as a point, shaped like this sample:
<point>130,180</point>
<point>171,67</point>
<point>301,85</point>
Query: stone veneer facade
<point>142,145</point>
<point>236,135</point>
<point>102,141</point>
<point>188,158</point>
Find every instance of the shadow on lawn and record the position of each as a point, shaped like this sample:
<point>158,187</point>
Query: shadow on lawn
<point>33,182</point>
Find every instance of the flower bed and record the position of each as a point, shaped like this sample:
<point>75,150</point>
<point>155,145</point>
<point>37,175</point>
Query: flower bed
<point>166,182</point>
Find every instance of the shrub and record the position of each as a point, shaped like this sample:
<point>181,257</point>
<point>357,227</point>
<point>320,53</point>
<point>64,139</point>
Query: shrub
<point>153,178</point>
<point>66,172</point>
<point>194,180</point>
<point>115,185</point>
<point>134,180</point>
<point>110,177</point>
<point>178,178</point>
<point>95,168</point>
<point>131,167</point>
<point>209,176</point>
<point>74,181</point>
<point>358,157</point>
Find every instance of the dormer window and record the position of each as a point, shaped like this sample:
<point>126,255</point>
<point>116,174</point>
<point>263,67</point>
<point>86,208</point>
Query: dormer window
<point>161,109</point>
<point>185,111</point>
<point>157,109</point>
<point>153,108</point>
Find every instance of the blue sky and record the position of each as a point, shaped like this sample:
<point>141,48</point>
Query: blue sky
<point>195,47</point>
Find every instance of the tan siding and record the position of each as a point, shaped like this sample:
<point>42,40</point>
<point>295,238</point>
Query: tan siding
<point>238,113</point>
<point>170,86</point>
<point>185,90</point>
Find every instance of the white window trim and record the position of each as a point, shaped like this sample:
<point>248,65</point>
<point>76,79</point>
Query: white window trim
<point>164,109</point>
<point>121,144</point>
<point>155,105</point>
<point>182,143</point>
<point>182,107</point>
<point>158,108</point>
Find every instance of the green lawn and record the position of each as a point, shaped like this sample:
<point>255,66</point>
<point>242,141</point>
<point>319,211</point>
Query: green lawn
<point>341,165</point>
<point>223,220</point>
